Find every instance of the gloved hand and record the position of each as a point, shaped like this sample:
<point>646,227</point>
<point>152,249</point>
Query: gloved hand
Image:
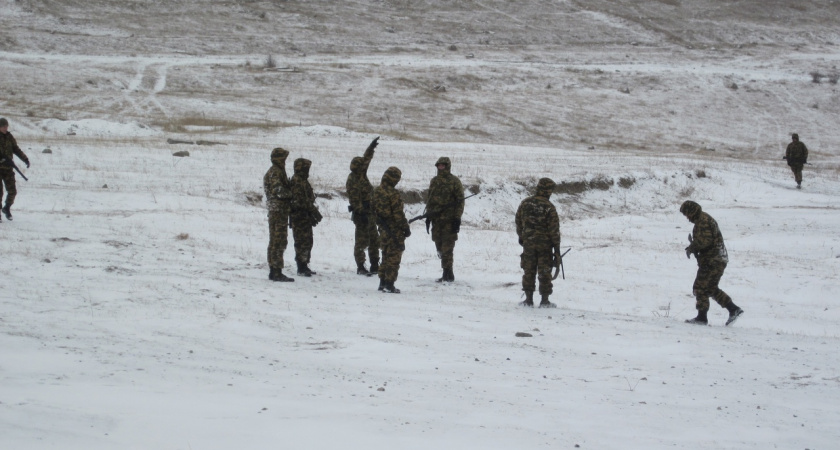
<point>456,225</point>
<point>27,163</point>
<point>373,143</point>
<point>520,241</point>
<point>784,157</point>
<point>407,232</point>
<point>688,252</point>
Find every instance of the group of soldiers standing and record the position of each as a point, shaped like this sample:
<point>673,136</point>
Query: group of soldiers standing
<point>379,218</point>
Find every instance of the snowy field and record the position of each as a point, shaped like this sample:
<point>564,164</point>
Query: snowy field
<point>136,312</point>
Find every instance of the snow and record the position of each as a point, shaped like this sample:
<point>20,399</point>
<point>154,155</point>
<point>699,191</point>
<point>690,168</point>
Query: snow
<point>139,315</point>
<point>136,312</point>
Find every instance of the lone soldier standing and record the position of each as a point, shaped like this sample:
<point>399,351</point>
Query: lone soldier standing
<point>278,197</point>
<point>393,228</point>
<point>707,247</point>
<point>445,208</point>
<point>304,216</point>
<point>360,194</point>
<point>8,149</point>
<point>796,156</point>
<point>538,228</point>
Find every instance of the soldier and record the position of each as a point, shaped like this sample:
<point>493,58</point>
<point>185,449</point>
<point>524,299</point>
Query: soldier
<point>393,228</point>
<point>796,156</point>
<point>707,247</point>
<point>304,215</point>
<point>278,198</point>
<point>445,208</point>
<point>538,228</point>
<point>360,194</point>
<point>8,149</point>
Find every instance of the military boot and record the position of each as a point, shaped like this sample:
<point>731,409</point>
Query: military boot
<point>734,313</point>
<point>529,299</point>
<point>449,275</point>
<point>442,278</point>
<point>381,285</point>
<point>390,288</point>
<point>7,211</point>
<point>303,270</point>
<point>277,275</point>
<point>374,266</point>
<point>701,319</point>
<point>360,270</point>
<point>544,303</point>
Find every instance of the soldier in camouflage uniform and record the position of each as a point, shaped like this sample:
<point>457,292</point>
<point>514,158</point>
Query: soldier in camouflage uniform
<point>360,195</point>
<point>304,215</point>
<point>445,207</point>
<point>706,244</point>
<point>796,155</point>
<point>278,198</point>
<point>538,228</point>
<point>8,149</point>
<point>393,228</point>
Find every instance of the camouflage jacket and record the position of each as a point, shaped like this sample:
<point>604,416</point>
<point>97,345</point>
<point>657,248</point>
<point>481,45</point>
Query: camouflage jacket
<point>278,188</point>
<point>9,148</point>
<point>537,222</point>
<point>446,197</point>
<point>796,153</point>
<point>359,187</point>
<point>303,198</point>
<point>389,207</point>
<point>707,244</point>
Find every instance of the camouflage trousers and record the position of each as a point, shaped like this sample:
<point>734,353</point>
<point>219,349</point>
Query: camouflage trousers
<point>706,285</point>
<point>367,238</point>
<point>797,172</point>
<point>444,237</point>
<point>7,177</point>
<point>392,252</point>
<point>536,261</point>
<point>278,237</point>
<point>302,233</point>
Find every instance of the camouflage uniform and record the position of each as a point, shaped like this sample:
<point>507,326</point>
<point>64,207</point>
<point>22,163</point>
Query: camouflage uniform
<point>360,195</point>
<point>538,228</point>
<point>708,248</point>
<point>278,196</point>
<point>8,149</point>
<point>796,155</point>
<point>393,227</point>
<point>304,215</point>
<point>445,207</point>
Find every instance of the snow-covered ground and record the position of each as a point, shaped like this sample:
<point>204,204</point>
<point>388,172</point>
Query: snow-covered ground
<point>136,312</point>
<point>135,309</point>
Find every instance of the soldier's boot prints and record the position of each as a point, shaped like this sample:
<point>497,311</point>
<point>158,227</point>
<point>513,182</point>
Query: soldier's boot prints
<point>701,319</point>
<point>734,313</point>
<point>362,271</point>
<point>7,211</point>
<point>374,266</point>
<point>529,299</point>
<point>544,303</point>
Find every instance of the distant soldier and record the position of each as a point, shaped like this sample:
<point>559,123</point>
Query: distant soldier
<point>538,228</point>
<point>796,156</point>
<point>706,244</point>
<point>445,208</point>
<point>360,194</point>
<point>393,228</point>
<point>278,198</point>
<point>304,215</point>
<point>8,149</point>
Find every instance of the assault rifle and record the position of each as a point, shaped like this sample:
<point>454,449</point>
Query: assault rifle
<point>558,262</point>
<point>428,219</point>
<point>690,241</point>
<point>11,163</point>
